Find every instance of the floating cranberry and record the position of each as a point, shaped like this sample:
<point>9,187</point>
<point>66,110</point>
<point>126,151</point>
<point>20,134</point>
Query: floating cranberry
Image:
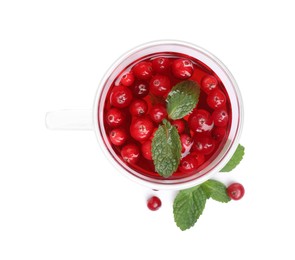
<point>209,83</point>
<point>138,107</point>
<point>220,117</point>
<point>161,65</point>
<point>154,203</point>
<point>218,133</point>
<point>186,143</point>
<point>146,150</point>
<point>203,144</point>
<point>200,121</point>
<point>127,79</point>
<point>179,124</point>
<point>160,85</point>
<point>115,117</point>
<point>143,70</point>
<point>141,128</point>
<point>140,89</point>
<point>130,153</point>
<point>118,136</point>
<point>182,68</point>
<point>120,97</point>
<point>199,157</point>
<point>158,113</point>
<point>216,99</point>
<point>235,191</point>
<point>188,164</point>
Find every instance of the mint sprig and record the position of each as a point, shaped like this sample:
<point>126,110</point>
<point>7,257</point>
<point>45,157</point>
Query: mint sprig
<point>182,99</point>
<point>189,204</point>
<point>166,149</point>
<point>235,159</point>
<point>215,190</point>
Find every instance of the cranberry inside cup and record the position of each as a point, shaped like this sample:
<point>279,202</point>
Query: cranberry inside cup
<point>131,105</point>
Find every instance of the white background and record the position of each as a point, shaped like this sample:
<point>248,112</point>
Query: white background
<point>61,199</point>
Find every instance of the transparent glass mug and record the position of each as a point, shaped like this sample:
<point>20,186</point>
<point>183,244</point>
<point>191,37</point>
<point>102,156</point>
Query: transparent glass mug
<point>94,120</point>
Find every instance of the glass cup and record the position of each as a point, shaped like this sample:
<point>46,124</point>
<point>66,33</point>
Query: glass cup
<point>94,120</point>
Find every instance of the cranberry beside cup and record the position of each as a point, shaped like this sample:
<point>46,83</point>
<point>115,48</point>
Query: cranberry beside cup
<point>158,69</point>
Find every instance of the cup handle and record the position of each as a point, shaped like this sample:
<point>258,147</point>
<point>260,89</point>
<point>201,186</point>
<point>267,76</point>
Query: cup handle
<point>69,119</point>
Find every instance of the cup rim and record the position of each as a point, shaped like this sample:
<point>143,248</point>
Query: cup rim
<point>162,186</point>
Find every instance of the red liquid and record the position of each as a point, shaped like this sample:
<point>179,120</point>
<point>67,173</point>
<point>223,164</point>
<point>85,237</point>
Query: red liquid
<point>200,70</point>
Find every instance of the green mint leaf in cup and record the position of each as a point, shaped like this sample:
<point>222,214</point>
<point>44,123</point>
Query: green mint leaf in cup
<point>188,206</point>
<point>215,190</point>
<point>166,149</point>
<point>235,160</point>
<point>182,99</point>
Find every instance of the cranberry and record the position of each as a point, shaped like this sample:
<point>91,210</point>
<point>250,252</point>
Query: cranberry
<point>130,153</point>
<point>200,121</point>
<point>115,117</point>
<point>141,128</point>
<point>146,150</point>
<point>161,65</point>
<point>186,143</point>
<point>188,164</point>
<point>220,117</point>
<point>118,136</point>
<point>182,68</point>
<point>235,191</point>
<point>179,124</point>
<point>158,113</point>
<point>154,203</point>
<point>127,79</point>
<point>216,99</point>
<point>138,107</point>
<point>120,97</point>
<point>209,83</point>
<point>199,157</point>
<point>203,144</point>
<point>143,70</point>
<point>140,89</point>
<point>218,133</point>
<point>160,85</point>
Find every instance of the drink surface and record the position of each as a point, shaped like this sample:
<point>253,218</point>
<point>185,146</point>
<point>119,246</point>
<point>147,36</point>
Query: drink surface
<point>136,105</point>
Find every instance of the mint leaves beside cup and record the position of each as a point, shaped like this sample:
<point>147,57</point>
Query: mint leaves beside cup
<point>235,160</point>
<point>189,204</point>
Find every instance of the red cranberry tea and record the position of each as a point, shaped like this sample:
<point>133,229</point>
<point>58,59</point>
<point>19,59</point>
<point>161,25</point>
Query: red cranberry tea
<point>167,116</point>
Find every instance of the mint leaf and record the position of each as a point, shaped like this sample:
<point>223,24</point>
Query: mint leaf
<point>182,99</point>
<point>188,207</point>
<point>235,160</point>
<point>189,204</point>
<point>215,190</point>
<point>166,149</point>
